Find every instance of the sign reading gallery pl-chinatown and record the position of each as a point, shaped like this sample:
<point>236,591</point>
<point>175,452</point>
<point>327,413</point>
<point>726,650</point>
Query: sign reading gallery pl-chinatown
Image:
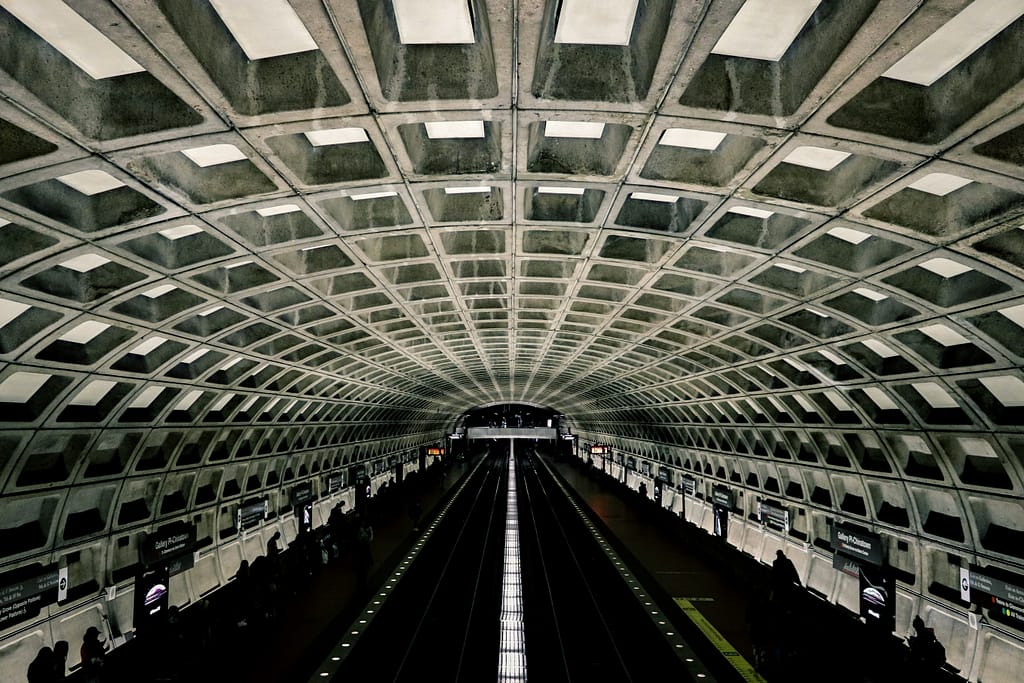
<point>689,485</point>
<point>302,493</point>
<point>859,546</point>
<point>168,542</point>
<point>23,593</point>
<point>722,497</point>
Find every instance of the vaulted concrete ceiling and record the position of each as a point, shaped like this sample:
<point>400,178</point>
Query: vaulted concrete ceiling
<point>783,238</point>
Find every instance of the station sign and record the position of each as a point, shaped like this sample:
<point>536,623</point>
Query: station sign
<point>252,513</point>
<point>689,485</point>
<point>435,450</point>
<point>774,515</point>
<point>599,449</point>
<point>302,493</point>
<point>335,482</point>
<point>168,542</point>
<point>722,496</point>
<point>23,595</point>
<point>860,546</point>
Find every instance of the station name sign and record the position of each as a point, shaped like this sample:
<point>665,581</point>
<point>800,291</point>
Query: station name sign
<point>302,493</point>
<point>335,482</point>
<point>722,497</point>
<point>167,542</point>
<point>689,485</point>
<point>860,546</point>
<point>252,513</point>
<point>599,449</point>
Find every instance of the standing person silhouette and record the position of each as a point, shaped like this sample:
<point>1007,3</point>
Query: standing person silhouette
<point>93,652</point>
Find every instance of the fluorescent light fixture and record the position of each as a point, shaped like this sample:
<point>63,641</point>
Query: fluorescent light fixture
<point>790,267</point>
<point>1007,389</point>
<point>91,182</point>
<point>181,231</point>
<point>750,211</point>
<point>73,37</point>
<point>468,189</point>
<point>4,221</point>
<point>248,404</point>
<point>880,398</point>
<point>264,28</point>
<point>158,291</point>
<point>939,184</point>
<point>232,266</point>
<point>85,332</point>
<point>574,129</point>
<point>93,392</point>
<point>214,155</point>
<point>9,310</point>
<point>945,267</point>
<point>654,197</point>
<point>945,335</point>
<point>454,129</point>
<point>879,349</point>
<point>820,314</point>
<point>550,189</point>
<point>336,136</point>
<point>957,39</point>
<point>596,22</point>
<point>936,396</point>
<point>146,398</point>
<point>147,346</point>
<point>691,138</point>
<point>870,294</point>
<point>849,235</point>
<point>764,29</point>
<point>278,210</point>
<point>434,22</point>
<point>19,387</point>
<point>188,400</point>
<point>816,157</point>
<point>231,363</point>
<point>372,195</point>
<point>210,311</point>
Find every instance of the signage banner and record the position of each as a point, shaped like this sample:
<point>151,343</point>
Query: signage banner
<point>665,475</point>
<point>995,587</point>
<point>689,485</point>
<point>774,516</point>
<point>20,600</point>
<point>167,542</point>
<point>335,482</point>
<point>845,565</point>
<point>62,584</point>
<point>722,497</point>
<point>965,584</point>
<point>857,545</point>
<point>302,493</point>
<point>251,514</point>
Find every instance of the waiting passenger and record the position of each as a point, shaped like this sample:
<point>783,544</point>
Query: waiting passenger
<point>93,652</point>
<point>274,545</point>
<point>60,659</point>
<point>41,668</point>
<point>784,575</point>
<point>925,648</point>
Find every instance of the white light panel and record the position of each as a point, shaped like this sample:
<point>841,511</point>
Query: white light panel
<point>454,129</point>
<point>836,399</point>
<point>210,311</point>
<point>180,231</point>
<point>936,396</point>
<point>764,29</point>
<point>372,195</point>
<point>880,349</point>
<point>880,398</point>
<point>434,22</point>
<point>512,640</point>
<point>790,267</point>
<point>19,387</point>
<point>9,310</point>
<point>849,235</point>
<point>194,356</point>
<point>84,332</point>
<point>945,335</point>
<point>188,400</point>
<point>596,22</point>
<point>264,28</point>
<point>816,157</point>
<point>956,40</point>
<point>654,197</point>
<point>146,398</point>
<point>574,129</point>
<point>977,448</point>
<point>1015,314</point>
<point>214,155</point>
<point>870,294</point>
<point>158,291</point>
<point>93,393</point>
<point>73,37</point>
<point>91,182</point>
<point>278,210</point>
<point>945,267</point>
<point>691,138</point>
<point>147,346</point>
<point>468,189</point>
<point>550,189</point>
<point>336,136</point>
<point>939,184</point>
<point>751,211</point>
<point>221,402</point>
<point>831,357</point>
<point>1007,389</point>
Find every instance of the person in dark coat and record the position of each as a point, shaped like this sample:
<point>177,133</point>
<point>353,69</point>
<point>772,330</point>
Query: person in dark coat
<point>60,660</point>
<point>93,652</point>
<point>41,668</point>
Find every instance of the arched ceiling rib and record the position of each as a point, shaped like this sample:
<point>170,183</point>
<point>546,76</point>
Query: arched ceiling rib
<point>797,242</point>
